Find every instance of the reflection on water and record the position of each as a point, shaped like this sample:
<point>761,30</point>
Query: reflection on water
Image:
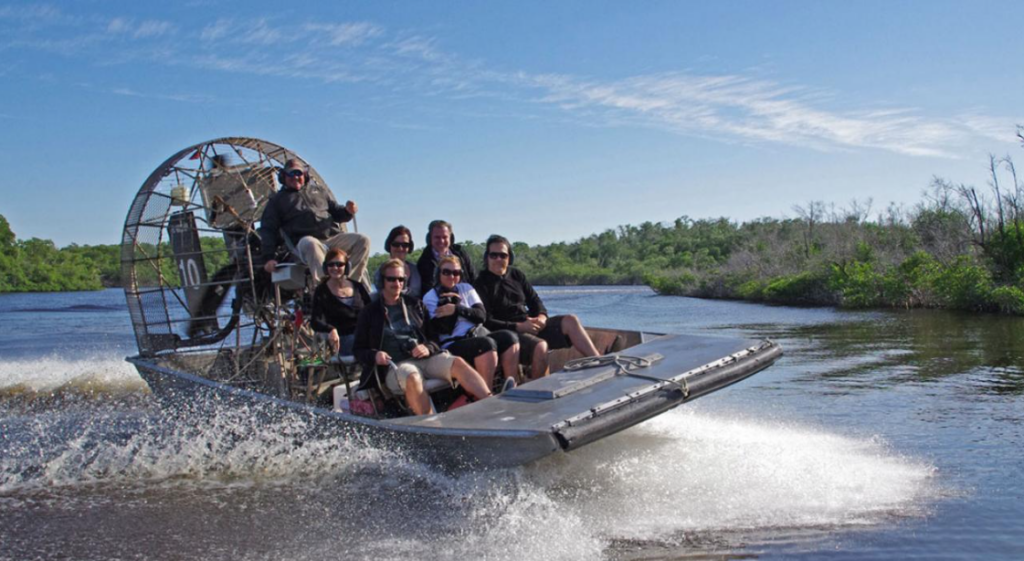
<point>979,353</point>
<point>879,435</point>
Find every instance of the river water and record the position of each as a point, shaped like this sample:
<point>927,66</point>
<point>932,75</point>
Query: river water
<point>878,435</point>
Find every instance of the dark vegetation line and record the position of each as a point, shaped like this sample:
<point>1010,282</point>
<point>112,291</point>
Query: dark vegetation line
<point>959,248</point>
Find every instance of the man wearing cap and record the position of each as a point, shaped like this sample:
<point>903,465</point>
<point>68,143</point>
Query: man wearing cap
<point>308,214</point>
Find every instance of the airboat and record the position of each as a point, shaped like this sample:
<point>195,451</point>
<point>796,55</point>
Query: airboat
<point>214,330</point>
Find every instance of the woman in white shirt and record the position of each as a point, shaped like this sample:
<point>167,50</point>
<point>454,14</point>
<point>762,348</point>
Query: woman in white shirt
<point>456,322</point>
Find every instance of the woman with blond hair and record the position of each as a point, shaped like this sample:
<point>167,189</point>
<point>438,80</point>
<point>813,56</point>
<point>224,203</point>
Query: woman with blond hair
<point>456,321</point>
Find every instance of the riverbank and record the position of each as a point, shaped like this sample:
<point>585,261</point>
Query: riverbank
<point>917,282</point>
<point>952,251</point>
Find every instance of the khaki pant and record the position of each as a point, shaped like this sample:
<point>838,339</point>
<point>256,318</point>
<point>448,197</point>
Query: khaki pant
<point>357,246</point>
<point>437,367</point>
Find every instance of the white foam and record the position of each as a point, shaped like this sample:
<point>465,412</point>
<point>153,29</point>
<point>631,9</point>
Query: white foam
<point>681,474</point>
<point>691,471</point>
<point>49,374</point>
<point>232,447</point>
<point>685,472</point>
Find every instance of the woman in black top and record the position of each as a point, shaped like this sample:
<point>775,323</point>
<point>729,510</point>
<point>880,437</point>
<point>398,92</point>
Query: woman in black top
<point>337,303</point>
<point>398,245</point>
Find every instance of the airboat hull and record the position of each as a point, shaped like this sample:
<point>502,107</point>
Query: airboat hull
<point>556,414</point>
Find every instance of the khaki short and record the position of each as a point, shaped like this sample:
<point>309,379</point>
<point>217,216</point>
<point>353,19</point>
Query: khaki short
<point>436,367</point>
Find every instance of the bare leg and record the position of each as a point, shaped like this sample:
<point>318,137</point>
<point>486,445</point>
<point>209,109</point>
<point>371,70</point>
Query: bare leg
<point>539,367</point>
<point>469,379</point>
<point>485,365</point>
<point>510,362</point>
<point>580,340</point>
<point>415,396</point>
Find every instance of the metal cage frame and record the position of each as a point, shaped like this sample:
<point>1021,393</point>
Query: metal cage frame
<point>156,301</point>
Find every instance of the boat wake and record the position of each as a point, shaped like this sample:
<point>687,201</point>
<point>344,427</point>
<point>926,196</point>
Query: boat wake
<point>690,480</point>
<point>48,376</point>
<point>684,478</point>
<point>695,471</point>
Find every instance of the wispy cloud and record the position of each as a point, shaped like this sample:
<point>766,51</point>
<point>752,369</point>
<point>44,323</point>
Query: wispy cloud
<point>417,46</point>
<point>256,32</point>
<point>153,28</point>
<point>354,34</point>
<point>261,32</point>
<point>743,108</point>
<point>186,98</point>
<point>216,30</point>
<point>746,108</point>
<point>990,127</point>
<point>40,13</point>
<point>139,30</point>
<point>118,26</point>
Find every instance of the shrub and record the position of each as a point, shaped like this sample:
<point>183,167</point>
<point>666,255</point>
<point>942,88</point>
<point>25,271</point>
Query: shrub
<point>751,290</point>
<point>963,285</point>
<point>676,283</point>
<point>1008,299</point>
<point>857,283</point>
<point>911,284</point>
<point>803,288</point>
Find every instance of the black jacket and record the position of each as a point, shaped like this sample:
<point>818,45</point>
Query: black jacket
<point>329,313</point>
<point>310,211</point>
<point>370,335</point>
<point>440,327</point>
<point>428,263</point>
<point>508,299</point>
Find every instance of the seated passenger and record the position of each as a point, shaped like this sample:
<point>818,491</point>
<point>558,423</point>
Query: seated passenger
<point>511,303</point>
<point>456,318</point>
<point>309,215</point>
<point>441,242</point>
<point>390,337</point>
<point>337,303</point>
<point>398,245</point>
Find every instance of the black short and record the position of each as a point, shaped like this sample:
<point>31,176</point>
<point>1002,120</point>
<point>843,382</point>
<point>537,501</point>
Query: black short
<point>471,347</point>
<point>504,339</point>
<point>552,333</point>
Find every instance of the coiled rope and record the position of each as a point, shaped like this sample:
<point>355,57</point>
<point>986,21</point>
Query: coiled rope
<point>626,365</point>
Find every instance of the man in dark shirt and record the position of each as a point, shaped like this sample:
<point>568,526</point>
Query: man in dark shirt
<point>512,303</point>
<point>390,335</point>
<point>309,215</point>
<point>441,242</point>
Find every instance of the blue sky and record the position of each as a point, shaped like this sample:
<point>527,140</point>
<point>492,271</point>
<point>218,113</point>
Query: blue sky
<point>543,121</point>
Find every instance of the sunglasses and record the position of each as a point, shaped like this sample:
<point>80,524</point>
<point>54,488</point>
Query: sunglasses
<point>334,264</point>
<point>402,245</point>
<point>395,279</point>
<point>451,272</point>
<point>295,173</point>
<point>497,255</point>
